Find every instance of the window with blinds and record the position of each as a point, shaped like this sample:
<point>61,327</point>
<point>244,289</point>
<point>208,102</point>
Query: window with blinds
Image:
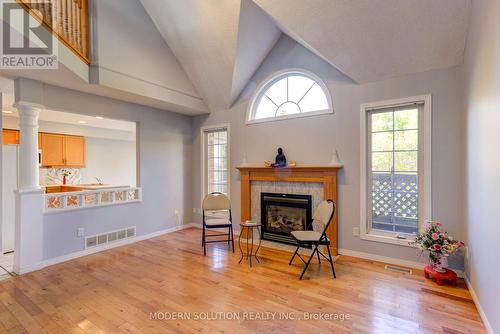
<point>394,168</point>
<point>216,168</point>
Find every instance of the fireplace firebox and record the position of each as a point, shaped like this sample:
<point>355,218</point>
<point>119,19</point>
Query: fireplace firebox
<point>283,213</point>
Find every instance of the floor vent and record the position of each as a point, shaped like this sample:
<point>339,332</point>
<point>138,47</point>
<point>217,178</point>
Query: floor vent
<point>105,238</point>
<point>398,269</point>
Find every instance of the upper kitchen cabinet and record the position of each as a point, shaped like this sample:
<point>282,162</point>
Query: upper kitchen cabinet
<point>10,137</point>
<point>62,150</point>
<point>74,147</point>
<point>52,149</point>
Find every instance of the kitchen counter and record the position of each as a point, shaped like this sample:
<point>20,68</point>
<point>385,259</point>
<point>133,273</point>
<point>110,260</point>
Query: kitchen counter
<point>62,188</point>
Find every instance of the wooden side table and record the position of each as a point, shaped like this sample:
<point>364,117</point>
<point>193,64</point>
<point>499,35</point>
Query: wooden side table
<point>448,275</point>
<point>250,227</point>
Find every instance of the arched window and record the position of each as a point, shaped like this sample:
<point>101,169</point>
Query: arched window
<point>290,94</point>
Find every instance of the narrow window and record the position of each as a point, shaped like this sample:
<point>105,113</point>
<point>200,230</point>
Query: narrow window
<point>396,167</point>
<point>215,156</point>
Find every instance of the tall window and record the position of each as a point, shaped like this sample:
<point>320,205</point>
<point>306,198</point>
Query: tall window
<point>216,154</point>
<point>288,94</point>
<point>395,169</point>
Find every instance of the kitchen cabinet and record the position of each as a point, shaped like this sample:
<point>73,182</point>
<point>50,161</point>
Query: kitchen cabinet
<point>58,150</point>
<point>10,137</point>
<point>74,147</point>
<point>62,150</point>
<point>52,149</point>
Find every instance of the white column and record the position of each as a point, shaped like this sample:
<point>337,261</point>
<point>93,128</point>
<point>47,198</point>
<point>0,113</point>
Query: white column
<point>28,251</point>
<point>28,145</point>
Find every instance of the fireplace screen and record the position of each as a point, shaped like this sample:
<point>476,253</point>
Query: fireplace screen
<point>283,213</point>
<point>285,219</point>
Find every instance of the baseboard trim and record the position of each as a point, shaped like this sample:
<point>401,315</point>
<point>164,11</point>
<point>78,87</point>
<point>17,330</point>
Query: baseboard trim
<point>384,259</point>
<point>28,269</point>
<point>89,251</point>
<point>390,260</point>
<point>480,309</point>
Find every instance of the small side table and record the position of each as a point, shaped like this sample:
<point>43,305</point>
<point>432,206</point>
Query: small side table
<point>448,275</point>
<point>249,227</point>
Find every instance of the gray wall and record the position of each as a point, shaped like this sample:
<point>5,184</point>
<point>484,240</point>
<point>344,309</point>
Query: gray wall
<point>482,63</point>
<point>131,56</point>
<point>164,142</point>
<point>311,140</point>
<point>129,43</point>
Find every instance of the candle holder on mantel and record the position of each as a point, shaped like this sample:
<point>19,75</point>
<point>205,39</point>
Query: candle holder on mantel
<point>335,159</point>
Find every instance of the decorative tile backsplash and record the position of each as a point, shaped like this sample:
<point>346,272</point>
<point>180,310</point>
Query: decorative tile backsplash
<point>55,176</point>
<point>298,188</point>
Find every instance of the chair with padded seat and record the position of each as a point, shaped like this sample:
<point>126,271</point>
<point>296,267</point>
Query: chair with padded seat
<point>216,209</point>
<point>317,237</point>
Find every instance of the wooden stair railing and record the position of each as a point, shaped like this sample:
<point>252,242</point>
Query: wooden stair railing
<point>67,19</point>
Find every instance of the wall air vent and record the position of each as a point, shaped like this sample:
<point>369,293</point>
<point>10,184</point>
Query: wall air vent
<point>398,269</point>
<point>90,242</point>
<point>108,237</point>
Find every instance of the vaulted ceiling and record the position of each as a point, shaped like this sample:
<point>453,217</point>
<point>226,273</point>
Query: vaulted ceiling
<point>371,40</point>
<point>221,43</point>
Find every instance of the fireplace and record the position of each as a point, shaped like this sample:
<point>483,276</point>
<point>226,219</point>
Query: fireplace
<point>283,213</point>
<point>325,175</point>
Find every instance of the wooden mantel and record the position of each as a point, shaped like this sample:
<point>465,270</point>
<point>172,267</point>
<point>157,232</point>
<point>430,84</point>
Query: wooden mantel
<point>327,175</point>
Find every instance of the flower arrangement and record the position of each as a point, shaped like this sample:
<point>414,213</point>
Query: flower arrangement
<point>438,243</point>
<point>65,173</point>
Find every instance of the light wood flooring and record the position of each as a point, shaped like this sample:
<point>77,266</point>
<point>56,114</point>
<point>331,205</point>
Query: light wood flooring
<point>115,291</point>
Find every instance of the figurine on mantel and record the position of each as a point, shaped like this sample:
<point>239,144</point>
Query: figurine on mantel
<point>280,159</point>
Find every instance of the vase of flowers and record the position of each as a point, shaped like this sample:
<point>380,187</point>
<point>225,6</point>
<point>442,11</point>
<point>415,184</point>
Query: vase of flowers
<point>438,243</point>
<point>65,173</point>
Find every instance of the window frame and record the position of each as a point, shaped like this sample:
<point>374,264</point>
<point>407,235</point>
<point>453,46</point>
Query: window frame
<point>271,80</point>
<point>425,213</point>
<point>204,172</point>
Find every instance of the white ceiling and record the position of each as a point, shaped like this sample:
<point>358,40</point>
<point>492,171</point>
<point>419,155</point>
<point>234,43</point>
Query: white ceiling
<point>203,36</point>
<point>7,89</point>
<point>257,35</point>
<point>221,43</point>
<point>371,40</point>
<point>76,119</point>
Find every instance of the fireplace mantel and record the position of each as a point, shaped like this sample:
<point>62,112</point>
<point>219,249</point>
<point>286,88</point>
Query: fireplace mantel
<point>327,175</point>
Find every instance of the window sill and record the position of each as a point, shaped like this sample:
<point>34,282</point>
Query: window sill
<point>388,239</point>
<point>281,118</point>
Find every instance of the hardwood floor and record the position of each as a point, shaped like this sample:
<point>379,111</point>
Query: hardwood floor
<point>115,291</point>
